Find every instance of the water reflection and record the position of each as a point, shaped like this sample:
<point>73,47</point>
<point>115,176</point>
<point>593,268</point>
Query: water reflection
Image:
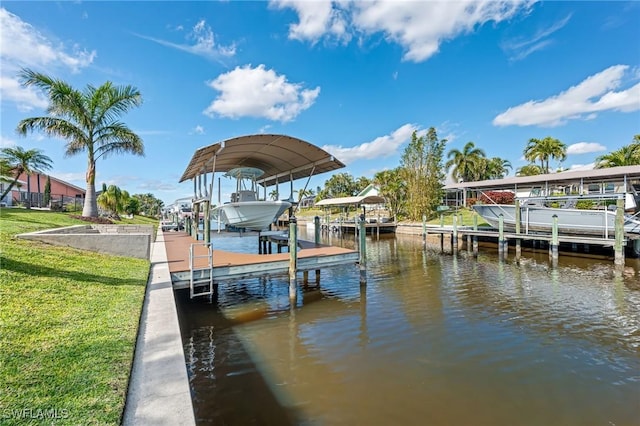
<point>432,339</point>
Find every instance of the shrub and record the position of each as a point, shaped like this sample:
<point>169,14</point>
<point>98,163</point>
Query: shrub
<point>584,204</point>
<point>498,197</point>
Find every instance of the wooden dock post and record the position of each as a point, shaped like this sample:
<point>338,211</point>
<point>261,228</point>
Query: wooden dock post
<point>501,240</point>
<point>207,223</point>
<point>619,233</point>
<point>553,248</point>
<point>316,239</point>
<point>454,236</point>
<point>518,240</point>
<point>293,258</point>
<point>363,254</point>
<point>424,231</point>
<point>475,237</point>
<point>196,221</point>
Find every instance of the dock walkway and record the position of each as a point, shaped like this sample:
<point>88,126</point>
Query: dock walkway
<point>232,265</point>
<point>159,392</point>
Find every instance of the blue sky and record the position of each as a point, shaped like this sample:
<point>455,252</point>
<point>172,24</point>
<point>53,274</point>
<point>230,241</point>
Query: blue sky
<point>356,78</point>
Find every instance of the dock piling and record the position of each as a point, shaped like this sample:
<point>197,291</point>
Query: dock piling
<point>293,257</point>
<point>501,241</point>
<point>454,236</point>
<point>316,227</point>
<point>518,240</point>
<point>363,253</point>
<point>618,247</point>
<point>475,237</point>
<point>553,247</point>
<point>424,231</point>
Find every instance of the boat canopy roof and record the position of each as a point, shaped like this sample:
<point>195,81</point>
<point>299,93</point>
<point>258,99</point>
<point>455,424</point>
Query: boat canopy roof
<point>245,173</point>
<point>350,201</point>
<point>571,176</point>
<point>282,158</point>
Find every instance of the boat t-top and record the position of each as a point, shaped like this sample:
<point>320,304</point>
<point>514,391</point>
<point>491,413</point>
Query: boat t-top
<point>255,162</point>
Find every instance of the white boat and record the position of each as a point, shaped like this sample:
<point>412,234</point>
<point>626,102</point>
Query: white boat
<point>246,210</point>
<point>535,217</point>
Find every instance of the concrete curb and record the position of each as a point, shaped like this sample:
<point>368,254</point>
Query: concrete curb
<point>159,391</point>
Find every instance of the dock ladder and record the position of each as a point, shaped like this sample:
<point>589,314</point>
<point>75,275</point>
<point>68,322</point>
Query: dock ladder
<point>197,275</point>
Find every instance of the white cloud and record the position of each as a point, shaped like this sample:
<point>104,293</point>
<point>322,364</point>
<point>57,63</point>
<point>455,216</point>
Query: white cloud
<point>5,142</point>
<point>383,146</point>
<point>520,49</point>
<point>198,130</point>
<point>203,43</point>
<point>23,46</point>
<point>583,101</point>
<point>258,92</point>
<point>585,148</point>
<point>418,26</point>
<point>317,19</point>
<point>150,185</point>
<point>77,179</point>
<point>590,166</point>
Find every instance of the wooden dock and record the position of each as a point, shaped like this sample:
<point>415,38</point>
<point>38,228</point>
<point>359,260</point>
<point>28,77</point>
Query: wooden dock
<point>229,265</point>
<point>457,235</point>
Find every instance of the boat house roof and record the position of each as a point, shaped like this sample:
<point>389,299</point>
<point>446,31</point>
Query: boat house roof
<point>595,175</point>
<point>282,158</point>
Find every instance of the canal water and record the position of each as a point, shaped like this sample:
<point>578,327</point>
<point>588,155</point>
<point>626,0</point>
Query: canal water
<point>433,339</point>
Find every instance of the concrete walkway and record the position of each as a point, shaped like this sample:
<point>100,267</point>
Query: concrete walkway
<point>158,391</point>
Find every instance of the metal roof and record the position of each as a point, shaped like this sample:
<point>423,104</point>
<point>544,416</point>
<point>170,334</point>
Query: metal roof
<point>349,201</point>
<point>599,175</point>
<point>281,157</point>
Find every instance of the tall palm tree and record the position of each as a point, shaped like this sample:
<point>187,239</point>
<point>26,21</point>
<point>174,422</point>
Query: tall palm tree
<point>88,120</point>
<point>543,150</point>
<point>466,163</point>
<point>628,155</point>
<point>19,161</point>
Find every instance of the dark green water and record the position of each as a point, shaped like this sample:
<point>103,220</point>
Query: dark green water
<point>431,340</point>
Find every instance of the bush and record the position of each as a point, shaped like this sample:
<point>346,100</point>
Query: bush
<point>498,197</point>
<point>584,204</point>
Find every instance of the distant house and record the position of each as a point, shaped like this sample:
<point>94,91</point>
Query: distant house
<point>62,193</point>
<point>308,202</point>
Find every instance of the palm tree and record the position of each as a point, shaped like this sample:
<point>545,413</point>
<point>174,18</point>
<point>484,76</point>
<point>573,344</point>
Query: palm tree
<point>19,161</point>
<point>113,199</point>
<point>88,120</point>
<point>466,163</point>
<point>628,155</point>
<point>543,150</point>
<point>492,168</point>
<point>529,170</point>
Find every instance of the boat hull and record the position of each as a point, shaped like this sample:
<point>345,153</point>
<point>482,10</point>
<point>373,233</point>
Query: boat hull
<point>251,215</point>
<point>540,219</point>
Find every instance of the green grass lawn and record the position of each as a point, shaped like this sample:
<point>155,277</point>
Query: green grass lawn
<point>68,323</point>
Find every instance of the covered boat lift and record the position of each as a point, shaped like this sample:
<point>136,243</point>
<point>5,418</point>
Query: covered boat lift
<point>357,202</point>
<point>585,182</point>
<point>282,159</point>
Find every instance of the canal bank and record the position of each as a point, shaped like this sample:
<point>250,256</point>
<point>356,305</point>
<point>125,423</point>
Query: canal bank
<point>158,392</point>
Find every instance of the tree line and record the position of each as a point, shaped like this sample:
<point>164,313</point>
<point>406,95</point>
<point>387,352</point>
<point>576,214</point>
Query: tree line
<point>89,121</point>
<point>414,187</point>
